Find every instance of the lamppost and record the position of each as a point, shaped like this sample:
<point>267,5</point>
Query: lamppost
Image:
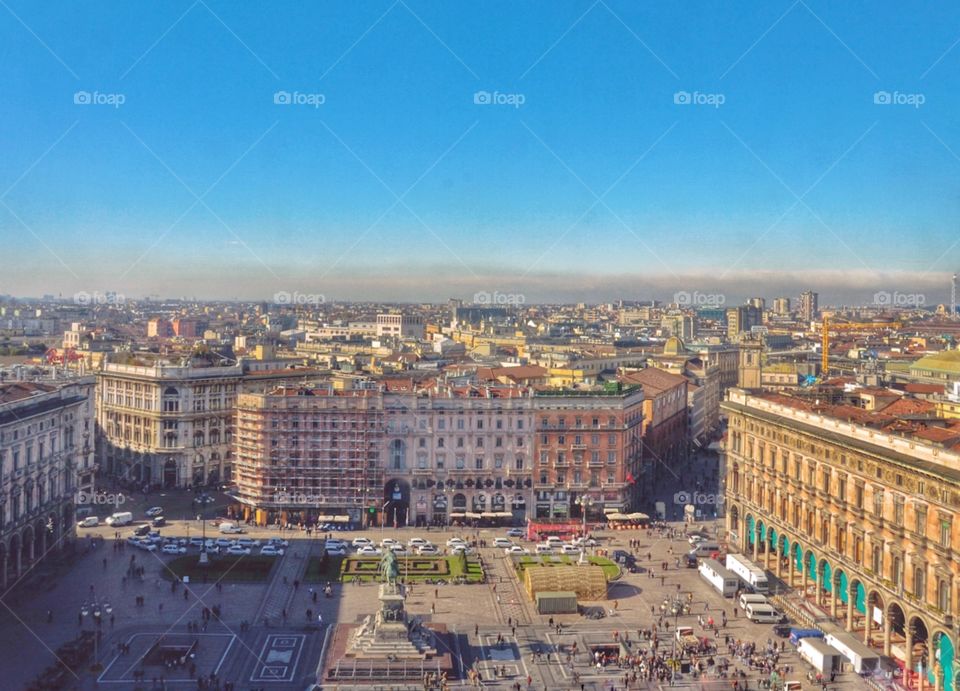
<point>203,500</point>
<point>584,502</point>
<point>95,610</point>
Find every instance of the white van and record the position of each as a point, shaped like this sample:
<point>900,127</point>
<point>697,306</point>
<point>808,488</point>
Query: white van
<point>705,549</point>
<point>122,518</point>
<point>762,614</point>
<point>752,599</point>
<point>230,528</point>
<point>544,548</point>
<point>89,522</point>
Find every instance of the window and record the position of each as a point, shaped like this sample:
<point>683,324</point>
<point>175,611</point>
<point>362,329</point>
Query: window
<point>920,520</point>
<point>422,461</point>
<point>498,462</point>
<point>877,562</point>
<point>544,458</point>
<point>441,461</point>
<point>479,442</point>
<point>518,464</point>
<point>858,495</point>
<point>945,529</point>
<point>943,595</point>
<point>878,502</point>
<point>896,571</point>
<point>898,509</point>
<point>519,423</point>
<point>611,457</point>
<point>459,442</point>
<point>478,463</point>
<point>919,582</point>
<point>461,462</point>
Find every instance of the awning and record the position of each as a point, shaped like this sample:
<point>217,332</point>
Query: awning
<point>457,515</point>
<point>503,514</point>
<point>638,516</point>
<point>488,514</point>
<point>617,517</point>
<point>341,519</point>
<point>610,509</point>
<point>472,514</point>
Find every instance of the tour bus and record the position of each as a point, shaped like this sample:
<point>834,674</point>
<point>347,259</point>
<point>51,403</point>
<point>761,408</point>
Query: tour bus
<point>749,573</point>
<point>721,579</point>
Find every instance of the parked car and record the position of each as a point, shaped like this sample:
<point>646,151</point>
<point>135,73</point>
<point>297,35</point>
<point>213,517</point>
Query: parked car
<point>462,549</point>
<point>173,549</point>
<point>196,542</point>
<point>89,522</point>
<point>502,542</point>
<point>516,549</point>
<point>452,542</point>
<point>237,550</point>
<point>398,549</point>
<point>387,541</point>
<point>271,551</point>
<point>247,542</point>
<point>336,551</point>
<point>153,511</point>
<point>141,530</point>
<point>515,532</point>
<point>570,549</point>
<point>417,542</point>
<point>278,542</point>
<point>426,550</point>
<point>369,551</point>
<point>361,541</point>
<point>148,546</point>
<point>225,542</point>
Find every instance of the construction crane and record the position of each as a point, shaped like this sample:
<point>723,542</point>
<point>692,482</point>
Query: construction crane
<point>827,327</point>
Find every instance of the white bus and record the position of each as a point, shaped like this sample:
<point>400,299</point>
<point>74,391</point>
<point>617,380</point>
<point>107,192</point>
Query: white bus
<point>749,573</point>
<point>719,577</point>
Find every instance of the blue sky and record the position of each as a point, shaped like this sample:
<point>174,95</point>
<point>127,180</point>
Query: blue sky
<point>599,185</point>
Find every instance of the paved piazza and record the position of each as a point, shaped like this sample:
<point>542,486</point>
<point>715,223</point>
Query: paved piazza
<point>253,647</point>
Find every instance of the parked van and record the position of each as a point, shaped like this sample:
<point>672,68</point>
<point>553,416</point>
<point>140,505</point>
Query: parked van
<point>762,614</point>
<point>89,522</point>
<point>752,598</point>
<point>705,549</point>
<point>230,528</point>
<point>122,518</point>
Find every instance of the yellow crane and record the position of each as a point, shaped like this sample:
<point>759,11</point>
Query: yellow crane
<point>827,327</point>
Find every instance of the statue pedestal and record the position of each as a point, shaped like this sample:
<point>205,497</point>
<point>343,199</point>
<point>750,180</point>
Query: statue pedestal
<point>391,635</point>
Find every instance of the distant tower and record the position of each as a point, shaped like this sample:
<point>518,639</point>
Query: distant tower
<point>953,297</point>
<point>749,369</point>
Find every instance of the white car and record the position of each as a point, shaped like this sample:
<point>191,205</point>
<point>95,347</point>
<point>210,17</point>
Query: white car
<point>237,551</point>
<point>173,549</point>
<point>387,541</point>
<point>398,548</point>
<point>247,542</point>
<point>695,540</point>
<point>369,551</point>
<point>211,549</point>
<point>515,532</point>
<point>462,549</point>
<point>335,544</point>
<point>361,541</point>
<point>580,542</point>
<point>154,511</point>
<point>417,542</point>
<point>428,550</point>
<point>454,541</point>
<point>278,542</point>
<point>502,542</point>
<point>225,542</point>
<point>570,549</point>
<point>516,549</point>
<point>196,542</point>
<point>148,546</point>
<point>271,551</point>
<point>89,522</point>
<point>336,551</point>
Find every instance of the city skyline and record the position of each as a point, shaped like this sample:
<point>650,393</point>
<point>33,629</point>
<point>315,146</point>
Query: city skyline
<point>591,151</point>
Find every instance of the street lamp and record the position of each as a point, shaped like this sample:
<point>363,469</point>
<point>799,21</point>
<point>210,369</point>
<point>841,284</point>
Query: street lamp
<point>95,610</point>
<point>584,502</point>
